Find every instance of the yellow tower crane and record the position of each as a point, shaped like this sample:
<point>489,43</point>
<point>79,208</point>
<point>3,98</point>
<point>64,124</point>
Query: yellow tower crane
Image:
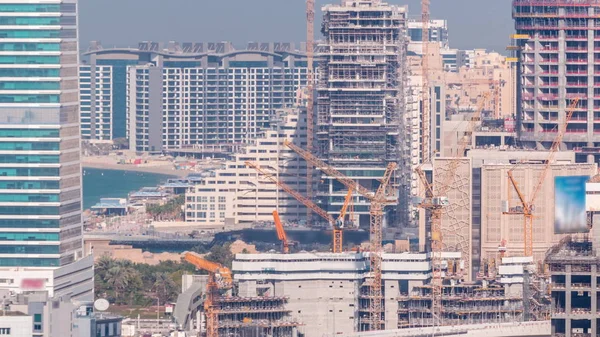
<point>378,201</point>
<point>219,278</point>
<point>337,234</point>
<point>435,200</point>
<point>527,206</point>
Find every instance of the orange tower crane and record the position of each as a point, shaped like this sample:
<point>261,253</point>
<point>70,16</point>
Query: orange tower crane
<point>310,37</point>
<point>378,201</point>
<point>337,235</point>
<point>529,205</point>
<point>219,278</point>
<point>435,200</point>
<point>425,110</point>
<point>281,233</point>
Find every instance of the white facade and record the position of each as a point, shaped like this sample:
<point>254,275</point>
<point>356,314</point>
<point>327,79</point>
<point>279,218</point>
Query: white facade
<point>96,109</point>
<point>75,279</point>
<point>16,325</point>
<point>438,32</point>
<point>326,290</point>
<point>171,108</point>
<point>238,196</point>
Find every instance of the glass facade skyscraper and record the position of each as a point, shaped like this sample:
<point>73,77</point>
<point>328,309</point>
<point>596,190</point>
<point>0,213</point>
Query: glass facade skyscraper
<point>40,172</point>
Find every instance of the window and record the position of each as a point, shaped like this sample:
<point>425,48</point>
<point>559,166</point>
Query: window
<point>212,215</point>
<point>222,215</point>
<point>4,331</point>
<point>222,199</point>
<point>222,207</point>
<point>212,207</point>
<point>212,199</point>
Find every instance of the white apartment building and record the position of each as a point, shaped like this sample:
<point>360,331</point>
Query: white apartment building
<point>177,107</point>
<point>96,109</point>
<point>438,32</point>
<point>237,196</point>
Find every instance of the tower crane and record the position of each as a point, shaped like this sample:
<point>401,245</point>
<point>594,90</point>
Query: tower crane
<point>310,37</point>
<point>281,233</point>
<point>529,205</point>
<point>435,200</point>
<point>337,236</point>
<point>219,278</point>
<point>378,201</point>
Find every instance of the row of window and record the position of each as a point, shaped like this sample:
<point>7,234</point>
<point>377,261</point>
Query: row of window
<point>28,262</point>
<point>31,159</point>
<point>30,85</point>
<point>29,223</point>
<point>29,98</point>
<point>28,210</point>
<point>29,236</point>
<point>202,215</point>
<point>29,133</point>
<point>30,146</point>
<point>29,249</point>
<point>205,199</point>
<point>38,34</point>
<point>37,21</point>
<point>28,197</point>
<point>206,207</point>
<point>29,72</point>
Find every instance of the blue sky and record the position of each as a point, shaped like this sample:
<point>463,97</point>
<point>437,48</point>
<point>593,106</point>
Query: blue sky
<point>472,23</point>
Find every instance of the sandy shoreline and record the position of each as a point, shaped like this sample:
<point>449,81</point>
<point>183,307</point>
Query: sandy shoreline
<point>107,165</point>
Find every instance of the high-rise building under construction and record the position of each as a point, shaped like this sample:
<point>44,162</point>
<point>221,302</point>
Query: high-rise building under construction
<point>360,104</point>
<point>559,53</point>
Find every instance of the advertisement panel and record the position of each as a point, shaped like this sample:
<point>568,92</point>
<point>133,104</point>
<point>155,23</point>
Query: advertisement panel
<point>569,207</point>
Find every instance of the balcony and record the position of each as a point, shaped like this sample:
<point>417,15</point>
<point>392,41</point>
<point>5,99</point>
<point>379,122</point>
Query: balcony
<point>576,84</point>
<point>577,49</point>
<point>577,61</point>
<point>577,72</point>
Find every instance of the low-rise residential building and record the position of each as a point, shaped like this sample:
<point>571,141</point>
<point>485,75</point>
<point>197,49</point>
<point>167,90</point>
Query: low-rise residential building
<point>236,196</point>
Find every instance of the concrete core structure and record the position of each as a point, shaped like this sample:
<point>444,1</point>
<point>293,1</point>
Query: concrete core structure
<point>360,100</point>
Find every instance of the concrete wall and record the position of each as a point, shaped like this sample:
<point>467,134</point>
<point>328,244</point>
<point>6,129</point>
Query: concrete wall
<point>496,188</point>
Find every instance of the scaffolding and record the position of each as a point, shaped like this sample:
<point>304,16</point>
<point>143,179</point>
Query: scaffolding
<point>361,91</point>
<point>255,316</point>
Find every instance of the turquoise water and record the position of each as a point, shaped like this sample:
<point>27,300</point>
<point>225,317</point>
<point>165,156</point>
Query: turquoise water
<point>98,183</point>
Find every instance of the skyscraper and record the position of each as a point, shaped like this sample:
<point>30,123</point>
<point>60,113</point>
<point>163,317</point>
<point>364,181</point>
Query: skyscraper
<point>360,97</point>
<point>560,61</point>
<point>40,172</point>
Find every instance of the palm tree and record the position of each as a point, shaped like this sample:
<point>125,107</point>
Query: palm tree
<point>164,285</point>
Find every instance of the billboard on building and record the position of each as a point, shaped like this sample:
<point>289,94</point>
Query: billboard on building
<point>569,205</point>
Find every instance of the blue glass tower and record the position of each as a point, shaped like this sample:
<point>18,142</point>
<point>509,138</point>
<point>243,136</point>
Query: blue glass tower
<point>40,172</point>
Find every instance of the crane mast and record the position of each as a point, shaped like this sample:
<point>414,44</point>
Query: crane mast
<point>528,206</point>
<point>310,36</point>
<point>219,277</point>
<point>281,235</point>
<point>435,200</point>
<point>376,249</point>
<point>337,241</point>
<point>378,201</point>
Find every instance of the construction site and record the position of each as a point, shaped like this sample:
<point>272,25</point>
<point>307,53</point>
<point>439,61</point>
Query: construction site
<point>483,229</point>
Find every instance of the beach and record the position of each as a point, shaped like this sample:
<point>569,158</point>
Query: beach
<point>110,163</point>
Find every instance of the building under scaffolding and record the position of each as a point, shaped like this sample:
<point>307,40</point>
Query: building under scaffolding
<point>255,317</point>
<point>360,98</point>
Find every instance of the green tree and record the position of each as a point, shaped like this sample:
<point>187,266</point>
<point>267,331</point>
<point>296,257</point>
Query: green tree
<point>166,289</point>
<point>221,254</point>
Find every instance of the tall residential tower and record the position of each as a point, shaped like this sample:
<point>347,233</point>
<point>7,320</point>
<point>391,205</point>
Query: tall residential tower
<point>360,90</point>
<point>560,61</point>
<point>40,172</point>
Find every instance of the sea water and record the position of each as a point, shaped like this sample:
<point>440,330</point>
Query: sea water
<point>99,183</point>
